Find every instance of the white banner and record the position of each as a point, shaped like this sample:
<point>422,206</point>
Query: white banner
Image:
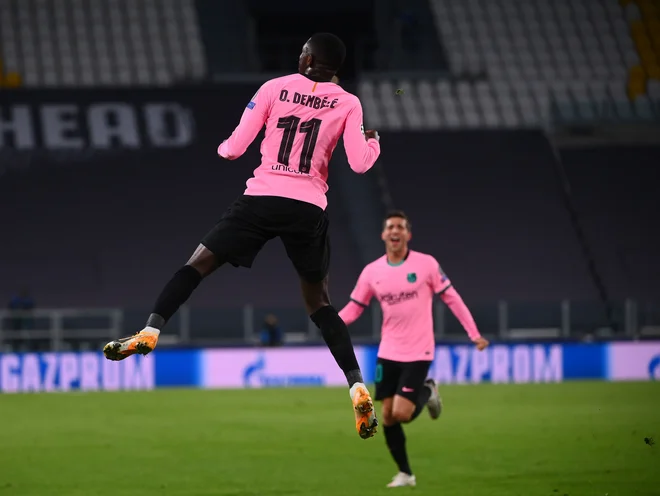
<point>260,368</point>
<point>634,361</point>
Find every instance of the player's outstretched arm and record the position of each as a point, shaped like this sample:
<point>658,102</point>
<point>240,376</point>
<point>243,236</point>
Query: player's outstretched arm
<point>351,312</point>
<point>460,310</point>
<point>360,298</point>
<point>362,149</point>
<point>442,286</point>
<point>253,119</point>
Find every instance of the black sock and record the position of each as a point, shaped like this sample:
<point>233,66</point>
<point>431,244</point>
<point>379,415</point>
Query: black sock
<point>396,442</point>
<point>174,294</point>
<point>336,336</point>
<point>422,399</point>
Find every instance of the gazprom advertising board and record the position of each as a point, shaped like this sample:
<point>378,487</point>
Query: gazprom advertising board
<point>231,368</point>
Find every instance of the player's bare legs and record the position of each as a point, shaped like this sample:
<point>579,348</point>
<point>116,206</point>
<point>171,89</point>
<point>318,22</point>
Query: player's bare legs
<point>174,294</point>
<point>336,336</point>
<point>398,410</point>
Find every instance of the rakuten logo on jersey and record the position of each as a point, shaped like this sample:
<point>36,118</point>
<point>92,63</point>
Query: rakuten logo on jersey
<point>396,298</point>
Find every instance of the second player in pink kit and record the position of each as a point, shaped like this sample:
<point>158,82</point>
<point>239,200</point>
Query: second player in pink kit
<point>405,292</point>
<point>305,114</point>
<point>405,283</point>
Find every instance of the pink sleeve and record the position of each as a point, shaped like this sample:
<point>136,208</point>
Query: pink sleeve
<point>253,119</point>
<point>362,292</point>
<point>362,154</point>
<point>458,307</point>
<point>351,312</point>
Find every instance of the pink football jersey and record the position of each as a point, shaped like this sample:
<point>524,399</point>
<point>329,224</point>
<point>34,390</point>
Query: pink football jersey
<point>304,120</point>
<point>405,292</point>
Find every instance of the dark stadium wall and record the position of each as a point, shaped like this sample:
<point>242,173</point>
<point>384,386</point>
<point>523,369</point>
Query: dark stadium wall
<point>113,197</point>
<point>226,29</point>
<point>281,29</point>
<point>493,215</point>
<point>616,190</point>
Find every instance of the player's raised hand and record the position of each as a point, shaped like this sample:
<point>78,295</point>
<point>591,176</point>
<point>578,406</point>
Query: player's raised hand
<point>226,157</point>
<point>372,134</point>
<point>481,343</point>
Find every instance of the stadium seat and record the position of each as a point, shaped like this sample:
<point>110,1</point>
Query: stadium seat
<point>653,90</point>
<point>431,105</point>
<point>643,108</point>
<point>11,80</point>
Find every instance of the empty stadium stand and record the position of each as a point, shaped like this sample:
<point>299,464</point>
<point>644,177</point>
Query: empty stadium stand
<point>530,63</point>
<point>70,43</point>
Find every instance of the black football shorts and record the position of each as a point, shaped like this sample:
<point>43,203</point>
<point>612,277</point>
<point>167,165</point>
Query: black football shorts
<point>403,378</point>
<point>251,221</point>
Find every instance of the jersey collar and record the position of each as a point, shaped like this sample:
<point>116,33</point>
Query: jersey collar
<point>398,263</point>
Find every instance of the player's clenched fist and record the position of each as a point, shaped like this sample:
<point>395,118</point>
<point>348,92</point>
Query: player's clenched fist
<point>372,134</point>
<point>481,343</point>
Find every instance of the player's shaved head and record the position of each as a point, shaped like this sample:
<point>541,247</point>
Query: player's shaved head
<point>322,52</point>
<point>328,50</point>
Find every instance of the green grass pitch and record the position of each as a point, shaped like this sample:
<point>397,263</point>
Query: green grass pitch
<point>576,439</point>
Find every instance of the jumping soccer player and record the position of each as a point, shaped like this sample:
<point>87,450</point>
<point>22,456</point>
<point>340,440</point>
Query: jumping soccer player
<point>305,114</point>
<point>404,281</point>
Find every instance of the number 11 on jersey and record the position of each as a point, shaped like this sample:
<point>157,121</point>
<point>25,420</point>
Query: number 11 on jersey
<point>310,129</point>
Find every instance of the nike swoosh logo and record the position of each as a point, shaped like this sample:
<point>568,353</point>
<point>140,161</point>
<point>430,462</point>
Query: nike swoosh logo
<point>407,390</point>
